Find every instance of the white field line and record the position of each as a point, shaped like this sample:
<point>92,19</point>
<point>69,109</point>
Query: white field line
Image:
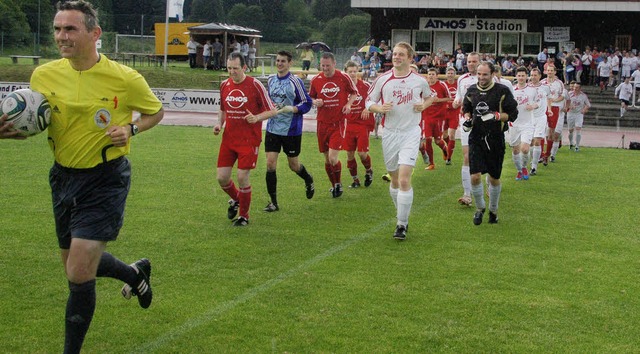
<point>217,311</point>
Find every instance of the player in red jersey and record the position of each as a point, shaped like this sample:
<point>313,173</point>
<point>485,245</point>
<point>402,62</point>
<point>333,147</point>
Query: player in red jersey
<point>433,117</point>
<point>452,115</point>
<point>244,104</point>
<point>360,123</point>
<point>332,92</point>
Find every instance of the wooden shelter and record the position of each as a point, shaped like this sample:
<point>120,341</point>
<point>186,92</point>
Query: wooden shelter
<point>225,32</point>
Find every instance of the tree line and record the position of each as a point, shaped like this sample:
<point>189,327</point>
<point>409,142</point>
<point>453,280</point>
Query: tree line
<point>287,21</point>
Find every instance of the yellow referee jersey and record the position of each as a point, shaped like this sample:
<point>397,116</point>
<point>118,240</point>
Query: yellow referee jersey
<point>84,104</point>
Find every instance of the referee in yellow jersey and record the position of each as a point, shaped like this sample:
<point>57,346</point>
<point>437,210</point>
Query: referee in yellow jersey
<point>92,99</point>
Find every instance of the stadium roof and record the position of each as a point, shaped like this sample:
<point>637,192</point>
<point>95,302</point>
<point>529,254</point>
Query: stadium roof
<point>549,5</point>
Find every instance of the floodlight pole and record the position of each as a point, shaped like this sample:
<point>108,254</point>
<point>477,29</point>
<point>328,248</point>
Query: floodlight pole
<point>166,36</point>
<point>38,41</point>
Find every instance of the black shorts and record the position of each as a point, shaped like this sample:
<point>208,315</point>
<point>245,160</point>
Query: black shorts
<point>290,145</point>
<point>625,102</point>
<point>486,158</point>
<point>89,203</point>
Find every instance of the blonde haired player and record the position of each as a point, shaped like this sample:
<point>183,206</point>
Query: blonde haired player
<point>400,94</point>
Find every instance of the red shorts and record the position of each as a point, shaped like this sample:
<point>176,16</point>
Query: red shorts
<point>330,136</point>
<point>356,137</point>
<point>431,128</point>
<point>452,119</point>
<point>246,155</point>
<point>552,120</point>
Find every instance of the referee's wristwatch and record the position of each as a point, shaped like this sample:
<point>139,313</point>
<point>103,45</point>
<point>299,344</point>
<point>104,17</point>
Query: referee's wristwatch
<point>134,129</point>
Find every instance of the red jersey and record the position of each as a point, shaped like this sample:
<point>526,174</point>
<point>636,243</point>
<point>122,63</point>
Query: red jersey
<point>453,89</point>
<point>334,91</point>
<point>355,117</point>
<point>437,110</point>
<point>237,100</point>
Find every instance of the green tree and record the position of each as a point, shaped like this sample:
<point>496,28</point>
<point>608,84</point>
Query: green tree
<point>248,16</point>
<point>347,31</point>
<point>206,11</point>
<point>39,16</point>
<point>14,24</point>
<point>325,10</point>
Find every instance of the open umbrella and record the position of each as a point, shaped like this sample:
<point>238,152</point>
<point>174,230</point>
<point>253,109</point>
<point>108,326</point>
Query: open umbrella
<point>303,45</point>
<point>370,49</point>
<point>318,46</point>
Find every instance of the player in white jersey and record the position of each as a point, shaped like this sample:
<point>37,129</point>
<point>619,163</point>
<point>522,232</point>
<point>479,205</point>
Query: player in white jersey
<point>539,117</point>
<point>578,105</point>
<point>398,94</point>
<point>624,92</point>
<point>561,120</point>
<point>464,82</point>
<point>521,131</point>
<point>557,100</point>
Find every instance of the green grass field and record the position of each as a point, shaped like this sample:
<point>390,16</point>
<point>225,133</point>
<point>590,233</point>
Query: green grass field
<point>559,273</point>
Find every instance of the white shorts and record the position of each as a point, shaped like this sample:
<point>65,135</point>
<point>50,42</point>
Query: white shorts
<point>574,120</point>
<point>464,136</point>
<point>560,122</point>
<point>400,147</point>
<point>520,133</point>
<point>539,126</point>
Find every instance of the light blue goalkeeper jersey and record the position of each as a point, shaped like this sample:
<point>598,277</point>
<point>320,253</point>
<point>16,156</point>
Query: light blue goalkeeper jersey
<point>288,91</point>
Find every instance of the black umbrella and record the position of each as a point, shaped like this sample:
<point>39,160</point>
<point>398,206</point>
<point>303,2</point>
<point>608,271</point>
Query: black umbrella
<point>317,46</point>
<point>303,45</point>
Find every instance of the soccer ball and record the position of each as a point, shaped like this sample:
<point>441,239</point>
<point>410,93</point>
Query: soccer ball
<point>28,110</point>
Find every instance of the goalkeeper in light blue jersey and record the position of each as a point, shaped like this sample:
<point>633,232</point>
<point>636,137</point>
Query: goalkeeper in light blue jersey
<point>284,131</point>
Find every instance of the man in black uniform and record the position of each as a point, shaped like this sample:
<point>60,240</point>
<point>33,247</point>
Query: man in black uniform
<point>488,107</point>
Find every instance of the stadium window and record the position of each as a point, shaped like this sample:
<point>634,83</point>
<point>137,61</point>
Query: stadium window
<point>423,41</point>
<point>509,43</point>
<point>531,43</point>
<point>487,42</point>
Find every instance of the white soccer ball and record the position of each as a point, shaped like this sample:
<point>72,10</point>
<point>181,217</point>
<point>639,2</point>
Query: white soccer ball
<point>28,110</point>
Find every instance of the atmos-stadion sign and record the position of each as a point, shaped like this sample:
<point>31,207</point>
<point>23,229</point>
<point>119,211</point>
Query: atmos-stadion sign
<point>472,24</point>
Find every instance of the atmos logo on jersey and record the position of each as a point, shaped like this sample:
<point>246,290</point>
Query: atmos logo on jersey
<point>236,99</point>
<point>330,90</point>
<point>482,107</point>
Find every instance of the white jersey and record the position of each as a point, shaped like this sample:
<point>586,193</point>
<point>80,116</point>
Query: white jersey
<point>634,63</point>
<point>542,94</point>
<point>577,102</point>
<point>604,69</point>
<point>464,82</point>
<point>626,66</point>
<point>615,63</point>
<point>505,82</point>
<point>624,91</point>
<point>403,92</point>
<point>524,96</point>
<point>555,90</point>
<point>635,79</point>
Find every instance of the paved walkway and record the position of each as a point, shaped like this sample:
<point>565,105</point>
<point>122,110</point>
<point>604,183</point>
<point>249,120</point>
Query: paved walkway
<point>593,136</point>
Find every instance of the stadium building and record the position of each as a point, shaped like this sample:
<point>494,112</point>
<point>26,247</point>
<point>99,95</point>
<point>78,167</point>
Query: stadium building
<point>504,27</point>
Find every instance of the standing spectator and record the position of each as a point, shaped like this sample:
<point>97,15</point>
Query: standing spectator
<point>459,60</point>
<point>507,67</point>
<point>90,178</point>
<point>578,106</point>
<point>206,54</point>
<point>307,57</point>
<point>615,68</point>
<point>635,79</point>
<point>587,59</point>
<point>244,50</point>
<point>217,53</point>
<point>356,58</point>
<point>487,107</point>
<point>360,123</point>
<point>244,104</point>
<point>251,62</point>
<point>284,131</point>
<point>401,95</point>
<point>577,63</point>
<point>626,65</point>
<point>542,58</point>
<point>192,51</point>
<point>333,93</point>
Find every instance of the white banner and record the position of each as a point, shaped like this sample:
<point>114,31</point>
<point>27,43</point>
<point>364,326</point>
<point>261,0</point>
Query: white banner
<point>172,99</point>
<point>175,9</point>
<point>557,34</point>
<point>472,24</point>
